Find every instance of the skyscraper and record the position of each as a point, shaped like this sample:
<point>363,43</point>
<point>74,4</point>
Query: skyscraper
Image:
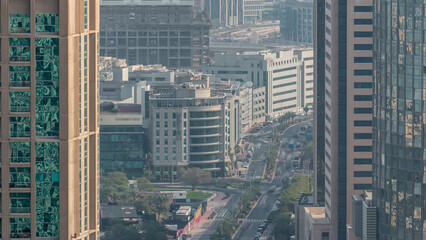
<point>347,106</point>
<point>223,12</point>
<point>319,95</point>
<point>399,180</point>
<point>49,123</point>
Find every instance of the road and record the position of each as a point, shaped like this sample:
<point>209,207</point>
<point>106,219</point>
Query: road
<point>265,204</point>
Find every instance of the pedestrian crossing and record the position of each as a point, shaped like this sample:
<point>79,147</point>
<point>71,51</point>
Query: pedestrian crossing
<point>254,220</point>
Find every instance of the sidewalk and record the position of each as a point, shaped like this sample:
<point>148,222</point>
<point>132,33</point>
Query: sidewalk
<point>204,225</point>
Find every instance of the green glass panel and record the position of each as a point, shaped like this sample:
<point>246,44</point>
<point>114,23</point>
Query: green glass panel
<point>20,177</point>
<point>20,227</point>
<point>47,23</point>
<point>20,101</point>
<point>47,87</point>
<point>19,49</point>
<point>20,202</point>
<point>20,126</point>
<point>20,152</point>
<point>20,76</point>
<point>47,189</point>
<point>19,23</point>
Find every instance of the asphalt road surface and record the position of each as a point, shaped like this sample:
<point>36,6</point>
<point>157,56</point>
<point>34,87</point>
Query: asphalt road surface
<point>271,190</point>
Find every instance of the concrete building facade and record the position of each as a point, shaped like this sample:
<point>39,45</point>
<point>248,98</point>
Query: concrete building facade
<point>252,11</point>
<point>259,105</point>
<point>347,108</point>
<point>223,12</point>
<point>190,128</point>
<point>287,79</point>
<point>147,33</point>
<point>296,21</point>
<point>49,123</point>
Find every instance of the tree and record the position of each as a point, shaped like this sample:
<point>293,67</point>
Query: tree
<point>237,149</point>
<point>306,110</point>
<point>284,226</point>
<point>195,176</point>
<point>144,184</point>
<point>115,188</point>
<point>153,231</point>
<point>225,229</point>
<point>307,151</point>
<point>160,204</point>
<point>122,232</point>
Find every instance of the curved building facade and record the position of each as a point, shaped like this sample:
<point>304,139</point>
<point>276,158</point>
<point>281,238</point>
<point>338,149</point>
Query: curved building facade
<point>399,116</point>
<point>190,128</point>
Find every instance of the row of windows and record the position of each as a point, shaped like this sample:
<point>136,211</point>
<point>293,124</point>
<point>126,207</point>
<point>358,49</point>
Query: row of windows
<point>45,23</point>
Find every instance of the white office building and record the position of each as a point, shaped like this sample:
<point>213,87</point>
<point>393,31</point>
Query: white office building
<point>286,75</point>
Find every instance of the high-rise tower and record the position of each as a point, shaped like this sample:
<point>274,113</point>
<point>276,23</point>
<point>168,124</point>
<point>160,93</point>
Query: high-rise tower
<point>399,180</point>
<point>49,122</point>
<point>344,93</point>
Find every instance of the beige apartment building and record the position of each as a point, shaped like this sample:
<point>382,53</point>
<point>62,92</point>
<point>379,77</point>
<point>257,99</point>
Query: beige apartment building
<point>348,109</point>
<point>49,121</point>
<point>189,127</point>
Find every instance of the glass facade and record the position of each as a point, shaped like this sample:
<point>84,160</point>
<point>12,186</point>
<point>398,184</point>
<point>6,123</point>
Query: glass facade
<point>47,189</point>
<point>47,87</point>
<point>399,180</point>
<point>122,149</point>
<point>47,23</point>
<point>31,144</point>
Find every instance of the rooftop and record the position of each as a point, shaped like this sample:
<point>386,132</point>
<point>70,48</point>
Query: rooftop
<point>317,214</point>
<point>125,212</point>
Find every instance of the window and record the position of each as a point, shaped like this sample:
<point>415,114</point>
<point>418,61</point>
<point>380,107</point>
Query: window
<point>363,72</point>
<point>363,135</point>
<point>363,98</point>
<point>20,101</point>
<point>362,186</point>
<point>20,177</point>
<point>363,123</point>
<point>20,227</point>
<point>363,34</point>
<point>363,9</point>
<point>363,59</point>
<point>20,202</point>
<point>362,173</point>
<point>363,47</point>
<point>363,110</point>
<point>47,23</point>
<point>47,87</point>
<point>166,115</point>
<point>362,148</point>
<point>47,188</point>
<point>20,126</point>
<point>363,85</point>
<point>19,49</point>
<point>19,76</point>
<point>363,161</point>
<point>363,21</point>
<point>20,152</point>
<point>19,23</point>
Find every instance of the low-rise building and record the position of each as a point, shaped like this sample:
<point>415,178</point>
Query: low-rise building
<point>317,226</point>
<point>304,200</point>
<point>286,75</point>
<point>190,128</point>
<point>123,140</point>
<point>296,21</point>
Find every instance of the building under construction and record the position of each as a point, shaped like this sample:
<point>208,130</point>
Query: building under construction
<point>175,35</point>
